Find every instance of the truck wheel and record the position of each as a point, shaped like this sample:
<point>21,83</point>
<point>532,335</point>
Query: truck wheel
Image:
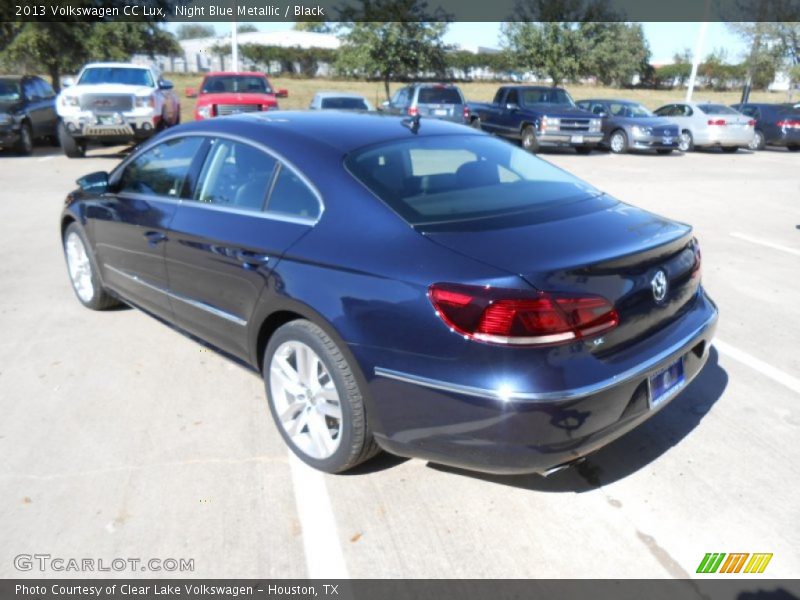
<point>72,148</point>
<point>528,139</point>
<point>25,143</point>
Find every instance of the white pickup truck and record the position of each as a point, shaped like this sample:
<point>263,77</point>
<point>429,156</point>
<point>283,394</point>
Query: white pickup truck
<point>116,103</point>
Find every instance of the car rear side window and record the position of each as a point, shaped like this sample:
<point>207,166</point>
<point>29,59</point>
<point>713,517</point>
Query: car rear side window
<point>161,170</point>
<point>447,179</point>
<point>291,196</point>
<point>236,175</point>
<point>438,95</point>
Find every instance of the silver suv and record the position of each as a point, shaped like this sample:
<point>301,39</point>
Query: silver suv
<point>436,100</point>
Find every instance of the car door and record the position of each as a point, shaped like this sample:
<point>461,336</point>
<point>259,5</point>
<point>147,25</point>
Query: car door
<point>35,106</point>
<point>129,225</point>
<point>399,103</point>
<point>49,115</point>
<point>508,118</point>
<point>224,244</point>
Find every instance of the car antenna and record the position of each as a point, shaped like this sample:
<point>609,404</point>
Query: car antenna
<point>412,123</point>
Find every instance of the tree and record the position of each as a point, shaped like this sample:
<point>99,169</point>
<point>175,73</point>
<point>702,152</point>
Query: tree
<point>391,40</point>
<point>314,26</point>
<point>246,28</point>
<point>773,45</point>
<point>614,52</point>
<point>192,31</point>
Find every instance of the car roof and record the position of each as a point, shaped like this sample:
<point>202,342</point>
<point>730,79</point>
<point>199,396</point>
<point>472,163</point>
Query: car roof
<point>234,74</point>
<point>116,64</point>
<point>341,132</point>
<point>13,77</point>
<point>335,94</point>
<point>618,100</point>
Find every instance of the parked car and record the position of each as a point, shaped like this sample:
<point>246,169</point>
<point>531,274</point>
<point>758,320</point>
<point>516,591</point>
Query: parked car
<point>776,125</point>
<point>115,103</point>
<point>230,93</point>
<point>707,125</point>
<point>339,101</point>
<point>538,117</point>
<point>436,100</point>
<point>27,112</point>
<point>531,320</point>
<point>628,126</point>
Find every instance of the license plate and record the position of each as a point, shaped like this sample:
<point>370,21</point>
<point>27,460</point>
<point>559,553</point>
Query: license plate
<point>576,139</point>
<point>666,140</point>
<point>440,112</point>
<point>666,383</point>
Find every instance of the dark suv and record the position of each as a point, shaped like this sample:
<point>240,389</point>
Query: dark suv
<point>27,112</point>
<point>776,125</point>
<point>437,100</point>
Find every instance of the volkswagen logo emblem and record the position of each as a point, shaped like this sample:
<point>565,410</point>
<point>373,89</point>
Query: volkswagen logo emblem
<point>659,285</point>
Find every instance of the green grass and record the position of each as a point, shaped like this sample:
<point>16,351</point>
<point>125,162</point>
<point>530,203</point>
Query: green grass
<point>302,90</point>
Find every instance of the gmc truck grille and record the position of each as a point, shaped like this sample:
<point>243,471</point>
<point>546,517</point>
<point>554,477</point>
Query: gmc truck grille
<point>102,103</point>
<point>232,109</point>
<point>574,125</point>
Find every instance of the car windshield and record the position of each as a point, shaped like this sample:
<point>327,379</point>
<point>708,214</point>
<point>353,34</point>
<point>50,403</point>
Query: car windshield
<point>242,84</point>
<point>445,179</point>
<point>547,96</point>
<point>123,75</point>
<point>9,90</point>
<point>716,109</point>
<point>629,110</point>
<point>438,95</point>
<point>344,103</point>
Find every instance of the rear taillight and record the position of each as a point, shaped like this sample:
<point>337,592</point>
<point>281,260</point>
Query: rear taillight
<point>789,124</point>
<point>413,111</point>
<point>503,316</point>
<point>751,123</point>
<point>698,258</point>
<point>465,112</point>
<point>717,122</point>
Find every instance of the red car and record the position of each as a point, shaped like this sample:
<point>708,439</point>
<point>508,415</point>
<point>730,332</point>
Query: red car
<point>230,93</point>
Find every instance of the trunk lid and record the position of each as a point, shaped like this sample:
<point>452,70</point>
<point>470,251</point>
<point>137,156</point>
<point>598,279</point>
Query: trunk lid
<point>598,246</point>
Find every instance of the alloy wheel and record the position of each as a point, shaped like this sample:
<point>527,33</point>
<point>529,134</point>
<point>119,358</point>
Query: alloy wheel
<point>305,399</point>
<point>79,266</point>
<point>617,143</point>
<point>684,141</point>
<point>757,141</point>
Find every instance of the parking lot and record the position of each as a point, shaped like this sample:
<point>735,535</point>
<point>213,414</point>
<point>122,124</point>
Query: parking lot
<point>121,438</point>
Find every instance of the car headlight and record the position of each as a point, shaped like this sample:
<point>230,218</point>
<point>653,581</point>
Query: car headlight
<point>145,101</point>
<point>204,111</point>
<point>551,123</point>
<point>67,100</point>
<point>594,125</point>
<point>6,119</point>
<point>638,130</point>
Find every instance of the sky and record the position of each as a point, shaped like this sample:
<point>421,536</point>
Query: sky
<point>665,39</point>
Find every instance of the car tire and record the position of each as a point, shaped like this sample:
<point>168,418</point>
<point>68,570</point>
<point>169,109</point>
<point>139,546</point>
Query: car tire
<point>177,117</point>
<point>793,148</point>
<point>618,141</point>
<point>730,149</point>
<point>319,411</point>
<point>758,143</point>
<point>25,143</point>
<point>664,151</point>
<point>528,139</point>
<point>83,272</point>
<point>685,141</point>
<point>476,123</point>
<point>72,148</point>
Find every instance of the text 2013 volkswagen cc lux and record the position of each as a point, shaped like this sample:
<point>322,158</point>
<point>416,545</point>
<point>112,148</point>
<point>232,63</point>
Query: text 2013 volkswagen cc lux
<point>418,287</point>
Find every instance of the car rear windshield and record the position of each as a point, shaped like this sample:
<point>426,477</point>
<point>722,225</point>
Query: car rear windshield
<point>439,95</point>
<point>716,109</point>
<point>344,103</point>
<point>547,96</point>
<point>457,178</point>
<point>243,84</point>
<point>122,75</point>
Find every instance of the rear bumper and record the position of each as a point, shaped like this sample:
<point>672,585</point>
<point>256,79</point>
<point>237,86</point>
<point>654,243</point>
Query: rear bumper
<point>740,139</point>
<point>789,137</point>
<point>526,431</point>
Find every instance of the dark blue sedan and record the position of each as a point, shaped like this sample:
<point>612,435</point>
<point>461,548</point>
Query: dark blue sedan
<point>413,286</point>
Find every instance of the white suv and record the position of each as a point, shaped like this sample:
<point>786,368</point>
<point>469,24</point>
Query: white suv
<point>114,102</point>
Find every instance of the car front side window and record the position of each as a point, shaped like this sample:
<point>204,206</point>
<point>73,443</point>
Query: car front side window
<point>161,170</point>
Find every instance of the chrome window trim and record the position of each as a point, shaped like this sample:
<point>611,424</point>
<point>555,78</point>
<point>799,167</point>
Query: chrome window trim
<point>672,352</point>
<point>284,162</point>
<point>181,298</point>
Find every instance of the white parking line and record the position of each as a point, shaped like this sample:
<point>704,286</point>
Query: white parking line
<point>759,365</point>
<point>324,558</point>
<point>44,158</point>
<point>766,243</point>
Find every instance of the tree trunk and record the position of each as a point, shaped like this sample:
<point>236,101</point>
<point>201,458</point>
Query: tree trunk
<point>386,86</point>
<point>55,77</point>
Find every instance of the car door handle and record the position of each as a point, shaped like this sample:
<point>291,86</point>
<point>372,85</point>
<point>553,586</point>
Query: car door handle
<point>154,238</point>
<point>251,260</point>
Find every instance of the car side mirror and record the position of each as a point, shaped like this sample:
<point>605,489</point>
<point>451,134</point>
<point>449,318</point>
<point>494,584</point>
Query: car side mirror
<point>602,114</point>
<point>165,84</point>
<point>512,106</point>
<point>67,82</point>
<point>191,92</point>
<point>94,183</point>
<point>282,93</point>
